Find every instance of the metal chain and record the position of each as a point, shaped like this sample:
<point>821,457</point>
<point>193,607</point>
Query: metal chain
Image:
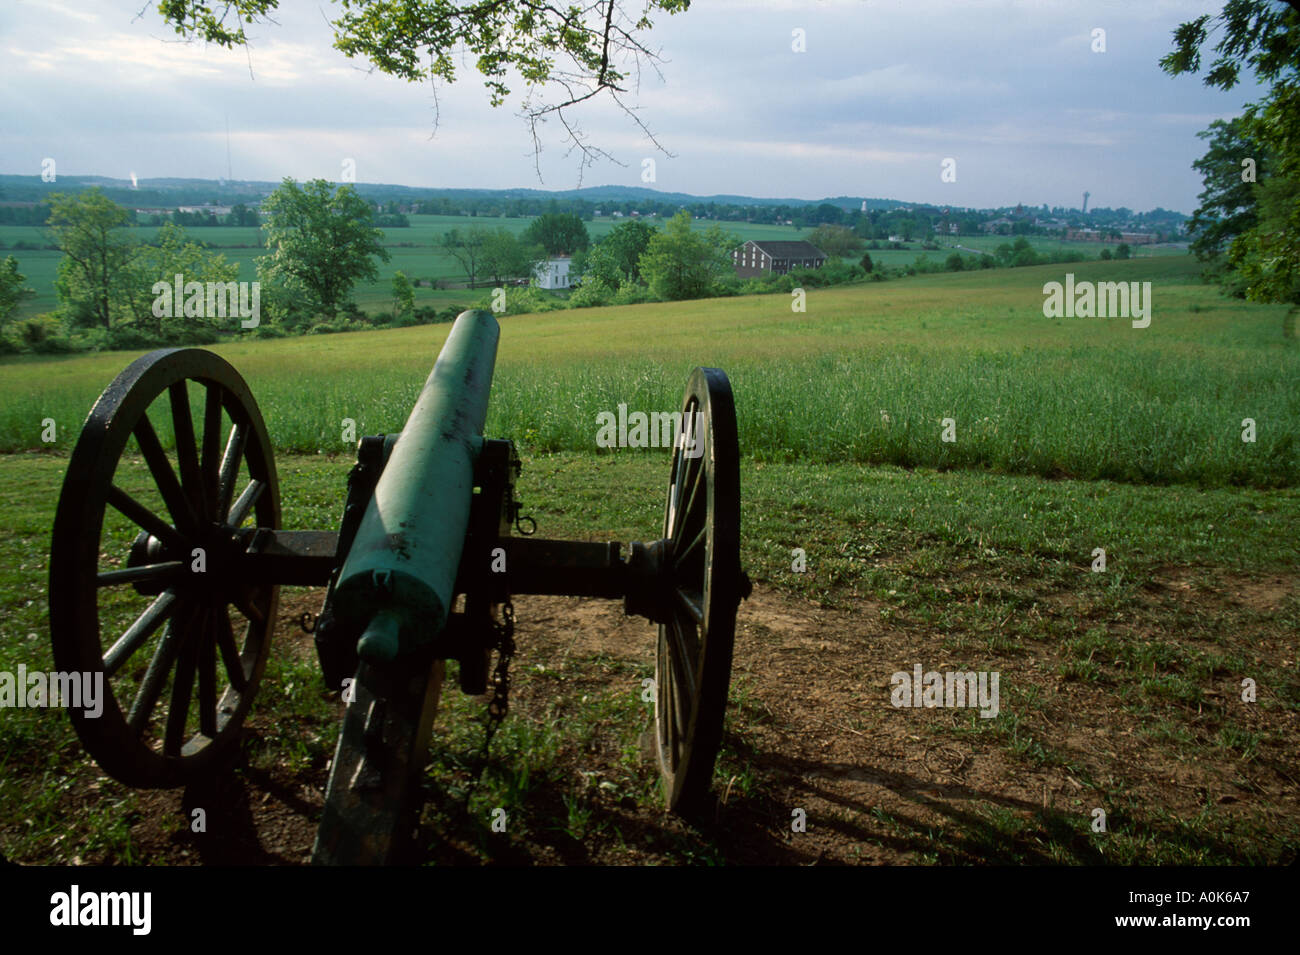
<point>500,702</point>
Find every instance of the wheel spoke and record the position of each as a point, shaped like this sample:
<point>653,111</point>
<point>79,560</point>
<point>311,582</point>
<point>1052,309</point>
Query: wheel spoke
<point>246,606</point>
<point>211,444</point>
<point>679,556</point>
<point>163,475</point>
<point>163,571</point>
<point>229,651</point>
<point>670,713</point>
<point>698,479</point>
<point>693,607</point>
<point>145,519</point>
<point>141,630</point>
<point>187,455</point>
<point>239,510</point>
<point>230,462</point>
<point>164,658</point>
<point>685,656</point>
<point>207,651</point>
<point>178,710</point>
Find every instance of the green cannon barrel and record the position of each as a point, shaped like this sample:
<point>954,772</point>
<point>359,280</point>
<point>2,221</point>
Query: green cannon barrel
<point>398,577</point>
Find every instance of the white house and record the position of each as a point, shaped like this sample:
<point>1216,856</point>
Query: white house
<point>554,273</point>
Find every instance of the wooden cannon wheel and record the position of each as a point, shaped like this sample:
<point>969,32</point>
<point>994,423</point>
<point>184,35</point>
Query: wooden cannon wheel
<point>145,581</point>
<point>702,535</point>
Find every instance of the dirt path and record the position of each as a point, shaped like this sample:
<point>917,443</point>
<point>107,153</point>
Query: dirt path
<point>815,733</point>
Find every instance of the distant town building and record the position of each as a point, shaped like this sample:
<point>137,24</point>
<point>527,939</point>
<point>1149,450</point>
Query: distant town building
<point>210,210</point>
<point>554,273</point>
<point>1099,235</point>
<point>754,259</point>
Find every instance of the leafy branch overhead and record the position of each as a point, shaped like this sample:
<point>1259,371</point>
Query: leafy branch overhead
<point>1252,169</point>
<point>576,51</point>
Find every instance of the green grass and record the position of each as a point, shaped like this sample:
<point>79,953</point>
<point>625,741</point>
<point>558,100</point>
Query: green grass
<point>866,375</point>
<point>941,551</point>
<point>414,251</point>
<point>894,523</point>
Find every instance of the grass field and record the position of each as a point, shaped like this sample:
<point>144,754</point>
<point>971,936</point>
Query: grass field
<point>413,251</point>
<point>1121,688</point>
<point>866,375</point>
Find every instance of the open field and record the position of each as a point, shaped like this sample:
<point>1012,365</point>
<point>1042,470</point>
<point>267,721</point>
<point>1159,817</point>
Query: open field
<point>867,375</point>
<point>413,251</point>
<point>1121,690</point>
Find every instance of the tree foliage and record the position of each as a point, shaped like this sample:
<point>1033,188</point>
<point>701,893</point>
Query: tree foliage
<point>321,243</point>
<point>507,256</point>
<point>615,258</point>
<point>403,295</point>
<point>835,240</point>
<point>680,263</point>
<point>466,248</point>
<point>565,54</point>
<point>558,233</point>
<point>12,289</point>
<point>90,230</point>
<point>1260,219</point>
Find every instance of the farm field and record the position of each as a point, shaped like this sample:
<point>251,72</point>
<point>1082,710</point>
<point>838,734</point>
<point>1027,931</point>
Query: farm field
<point>1121,688</point>
<point>412,250</point>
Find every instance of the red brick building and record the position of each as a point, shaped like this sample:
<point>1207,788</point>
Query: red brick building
<point>755,259</point>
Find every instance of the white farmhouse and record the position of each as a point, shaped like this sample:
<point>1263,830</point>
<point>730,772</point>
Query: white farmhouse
<point>554,273</point>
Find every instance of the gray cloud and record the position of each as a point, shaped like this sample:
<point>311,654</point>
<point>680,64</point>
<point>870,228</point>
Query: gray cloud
<point>882,94</point>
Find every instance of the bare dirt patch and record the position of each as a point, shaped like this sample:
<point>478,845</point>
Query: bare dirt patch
<point>812,731</point>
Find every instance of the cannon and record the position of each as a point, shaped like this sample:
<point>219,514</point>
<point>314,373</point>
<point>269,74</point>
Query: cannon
<point>166,580</point>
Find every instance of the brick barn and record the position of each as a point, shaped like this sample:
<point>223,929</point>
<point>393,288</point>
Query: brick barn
<point>761,258</point>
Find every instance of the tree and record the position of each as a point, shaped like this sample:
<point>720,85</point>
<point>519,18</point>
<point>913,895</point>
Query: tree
<point>89,230</point>
<point>615,259</point>
<point>681,263</point>
<point>241,215</point>
<point>835,240</point>
<point>12,289</point>
<point>321,243</point>
<point>403,295</point>
<point>172,255</point>
<point>867,264</point>
<point>580,52</point>
<point>1122,251</point>
<point>505,256</point>
<point>1263,37</point>
<point>558,233</point>
<point>1228,201</point>
<point>466,248</point>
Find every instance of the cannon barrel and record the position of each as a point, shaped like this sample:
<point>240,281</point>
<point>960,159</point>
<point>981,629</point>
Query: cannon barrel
<point>399,575</point>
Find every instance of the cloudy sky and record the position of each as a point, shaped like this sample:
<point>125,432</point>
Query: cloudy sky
<point>881,94</point>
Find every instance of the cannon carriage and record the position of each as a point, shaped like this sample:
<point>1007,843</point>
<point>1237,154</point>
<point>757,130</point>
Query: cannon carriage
<point>420,570</point>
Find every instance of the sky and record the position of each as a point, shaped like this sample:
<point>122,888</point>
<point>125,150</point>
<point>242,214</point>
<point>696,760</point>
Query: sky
<point>880,94</point>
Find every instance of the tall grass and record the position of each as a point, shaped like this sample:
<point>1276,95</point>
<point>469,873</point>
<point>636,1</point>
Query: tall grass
<point>867,375</point>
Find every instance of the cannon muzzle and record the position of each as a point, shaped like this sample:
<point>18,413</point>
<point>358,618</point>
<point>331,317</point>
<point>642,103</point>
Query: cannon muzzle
<point>398,578</point>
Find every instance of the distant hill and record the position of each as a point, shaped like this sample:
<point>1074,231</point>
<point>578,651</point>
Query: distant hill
<point>165,192</point>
